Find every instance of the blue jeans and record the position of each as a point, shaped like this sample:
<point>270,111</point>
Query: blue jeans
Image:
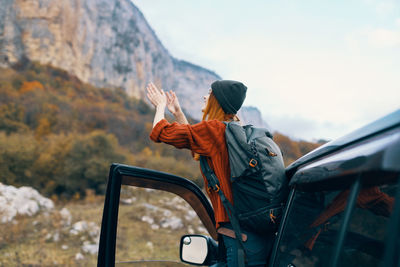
<point>257,249</point>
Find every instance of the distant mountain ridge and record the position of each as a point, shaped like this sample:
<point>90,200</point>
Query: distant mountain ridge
<point>252,115</point>
<point>107,43</point>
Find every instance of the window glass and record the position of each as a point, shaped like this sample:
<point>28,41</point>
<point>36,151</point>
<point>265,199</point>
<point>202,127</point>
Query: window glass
<point>150,225</point>
<point>311,229</point>
<point>364,243</point>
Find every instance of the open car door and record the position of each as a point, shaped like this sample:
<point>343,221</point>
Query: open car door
<point>145,178</point>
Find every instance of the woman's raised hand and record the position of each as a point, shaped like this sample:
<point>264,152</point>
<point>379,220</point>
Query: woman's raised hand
<point>160,100</point>
<point>173,102</point>
<point>157,97</point>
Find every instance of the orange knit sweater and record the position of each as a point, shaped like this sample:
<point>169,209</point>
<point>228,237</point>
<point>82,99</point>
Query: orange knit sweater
<point>206,138</point>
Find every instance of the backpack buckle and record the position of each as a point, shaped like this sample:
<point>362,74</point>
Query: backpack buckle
<point>272,216</point>
<point>253,163</point>
<point>215,189</point>
<point>272,154</point>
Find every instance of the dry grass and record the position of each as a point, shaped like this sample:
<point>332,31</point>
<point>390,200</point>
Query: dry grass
<point>136,240</point>
<point>29,241</point>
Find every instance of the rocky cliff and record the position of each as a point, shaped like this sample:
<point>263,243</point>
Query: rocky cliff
<point>107,43</point>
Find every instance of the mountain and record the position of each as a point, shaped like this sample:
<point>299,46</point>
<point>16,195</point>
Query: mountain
<point>107,43</point>
<point>252,115</point>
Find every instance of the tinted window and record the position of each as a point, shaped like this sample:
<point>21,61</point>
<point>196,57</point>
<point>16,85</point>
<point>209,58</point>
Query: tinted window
<point>364,242</point>
<point>312,226</point>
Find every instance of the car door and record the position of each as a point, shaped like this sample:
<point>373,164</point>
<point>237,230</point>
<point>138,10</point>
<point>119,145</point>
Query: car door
<point>128,176</point>
<point>123,176</point>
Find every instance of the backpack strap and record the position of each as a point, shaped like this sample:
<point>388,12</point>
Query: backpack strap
<point>213,184</point>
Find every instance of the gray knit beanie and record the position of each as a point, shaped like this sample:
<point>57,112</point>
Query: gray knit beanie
<point>229,94</point>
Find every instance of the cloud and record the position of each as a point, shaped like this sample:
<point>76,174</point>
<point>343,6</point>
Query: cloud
<point>300,128</point>
<point>397,22</point>
<point>382,7</point>
<point>385,7</point>
<point>384,38</point>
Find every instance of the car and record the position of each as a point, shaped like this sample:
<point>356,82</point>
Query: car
<point>342,210</point>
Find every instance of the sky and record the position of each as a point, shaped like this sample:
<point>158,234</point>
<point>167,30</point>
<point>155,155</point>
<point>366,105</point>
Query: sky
<point>316,69</point>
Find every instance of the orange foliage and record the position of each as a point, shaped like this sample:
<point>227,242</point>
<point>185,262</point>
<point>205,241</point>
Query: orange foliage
<point>292,150</point>
<point>30,86</point>
<point>43,128</point>
<point>306,147</point>
<point>146,152</point>
<point>51,107</point>
<point>289,148</point>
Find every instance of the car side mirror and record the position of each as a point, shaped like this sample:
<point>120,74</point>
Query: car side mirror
<point>198,250</point>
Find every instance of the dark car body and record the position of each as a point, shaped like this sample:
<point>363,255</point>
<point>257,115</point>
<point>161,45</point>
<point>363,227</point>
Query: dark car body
<point>343,207</point>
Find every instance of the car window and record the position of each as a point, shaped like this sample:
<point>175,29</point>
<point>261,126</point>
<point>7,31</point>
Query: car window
<point>312,225</point>
<point>364,243</point>
<point>150,225</point>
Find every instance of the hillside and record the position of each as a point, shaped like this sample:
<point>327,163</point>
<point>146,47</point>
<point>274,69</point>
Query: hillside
<point>60,135</point>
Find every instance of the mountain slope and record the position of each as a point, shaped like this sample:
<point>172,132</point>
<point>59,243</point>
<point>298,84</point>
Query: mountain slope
<point>107,43</point>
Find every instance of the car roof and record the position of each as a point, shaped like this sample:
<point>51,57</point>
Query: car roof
<point>377,127</point>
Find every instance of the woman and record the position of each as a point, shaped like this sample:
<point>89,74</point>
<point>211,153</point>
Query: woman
<point>207,138</point>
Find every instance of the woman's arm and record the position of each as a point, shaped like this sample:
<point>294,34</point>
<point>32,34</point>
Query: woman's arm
<point>202,138</point>
<point>175,108</point>
<point>180,117</point>
<point>159,101</point>
<point>160,110</point>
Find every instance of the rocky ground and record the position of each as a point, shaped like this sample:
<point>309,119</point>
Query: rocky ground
<point>37,231</point>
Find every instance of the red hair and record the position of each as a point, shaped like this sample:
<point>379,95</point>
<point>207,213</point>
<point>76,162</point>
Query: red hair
<point>213,111</point>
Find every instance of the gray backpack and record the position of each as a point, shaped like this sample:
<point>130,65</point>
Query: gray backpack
<point>259,183</point>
